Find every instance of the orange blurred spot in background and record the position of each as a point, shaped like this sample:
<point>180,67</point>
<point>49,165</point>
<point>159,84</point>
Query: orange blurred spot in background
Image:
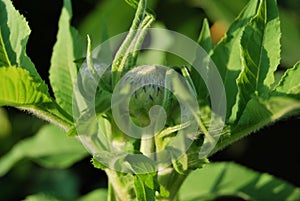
<point>217,31</point>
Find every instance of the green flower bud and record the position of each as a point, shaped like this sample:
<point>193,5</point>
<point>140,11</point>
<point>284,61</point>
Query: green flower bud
<point>151,79</point>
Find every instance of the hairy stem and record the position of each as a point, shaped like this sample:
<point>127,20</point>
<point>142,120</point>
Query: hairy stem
<point>53,115</point>
<point>147,145</point>
<point>171,180</point>
<point>120,186</point>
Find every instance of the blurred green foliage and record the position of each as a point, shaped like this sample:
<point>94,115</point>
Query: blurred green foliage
<point>186,16</point>
<point>4,124</point>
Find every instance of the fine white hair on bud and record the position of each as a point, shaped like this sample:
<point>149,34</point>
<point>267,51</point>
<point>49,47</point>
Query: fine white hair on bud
<point>89,81</point>
<point>151,91</point>
<point>147,74</point>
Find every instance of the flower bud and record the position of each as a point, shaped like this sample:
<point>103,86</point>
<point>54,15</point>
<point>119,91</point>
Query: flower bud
<point>151,80</point>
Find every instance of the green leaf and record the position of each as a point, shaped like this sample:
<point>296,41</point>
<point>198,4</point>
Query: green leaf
<point>4,60</point>
<point>50,147</point>
<point>163,39</point>
<point>230,179</point>
<point>134,4</point>
<point>99,194</point>
<point>41,196</point>
<point>144,187</point>
<point>5,124</point>
<point>140,163</point>
<point>290,37</point>
<point>223,10</point>
<point>19,88</point>
<point>226,55</point>
<point>63,70</point>
<point>265,112</point>
<point>260,46</point>
<point>205,42</point>
<point>14,32</point>
<point>97,165</point>
<point>126,55</point>
<point>290,83</point>
<point>108,11</point>
<point>204,39</point>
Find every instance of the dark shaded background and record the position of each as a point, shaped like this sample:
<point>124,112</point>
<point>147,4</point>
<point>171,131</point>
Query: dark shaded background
<point>274,149</point>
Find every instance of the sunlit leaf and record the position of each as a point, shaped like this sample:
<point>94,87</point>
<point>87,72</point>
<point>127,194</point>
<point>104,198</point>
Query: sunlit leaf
<point>63,70</point>
<point>14,34</point>
<point>266,112</point>
<point>226,55</point>
<point>290,82</point>
<point>204,39</point>
<point>205,42</point>
<point>19,88</point>
<point>260,45</point>
<point>230,179</point>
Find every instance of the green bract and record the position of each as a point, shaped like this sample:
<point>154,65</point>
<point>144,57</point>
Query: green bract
<point>89,80</point>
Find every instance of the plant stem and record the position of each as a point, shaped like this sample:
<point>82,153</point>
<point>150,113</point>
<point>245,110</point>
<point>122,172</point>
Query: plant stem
<point>120,186</point>
<point>52,115</point>
<point>110,192</point>
<point>147,145</point>
<point>171,180</point>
